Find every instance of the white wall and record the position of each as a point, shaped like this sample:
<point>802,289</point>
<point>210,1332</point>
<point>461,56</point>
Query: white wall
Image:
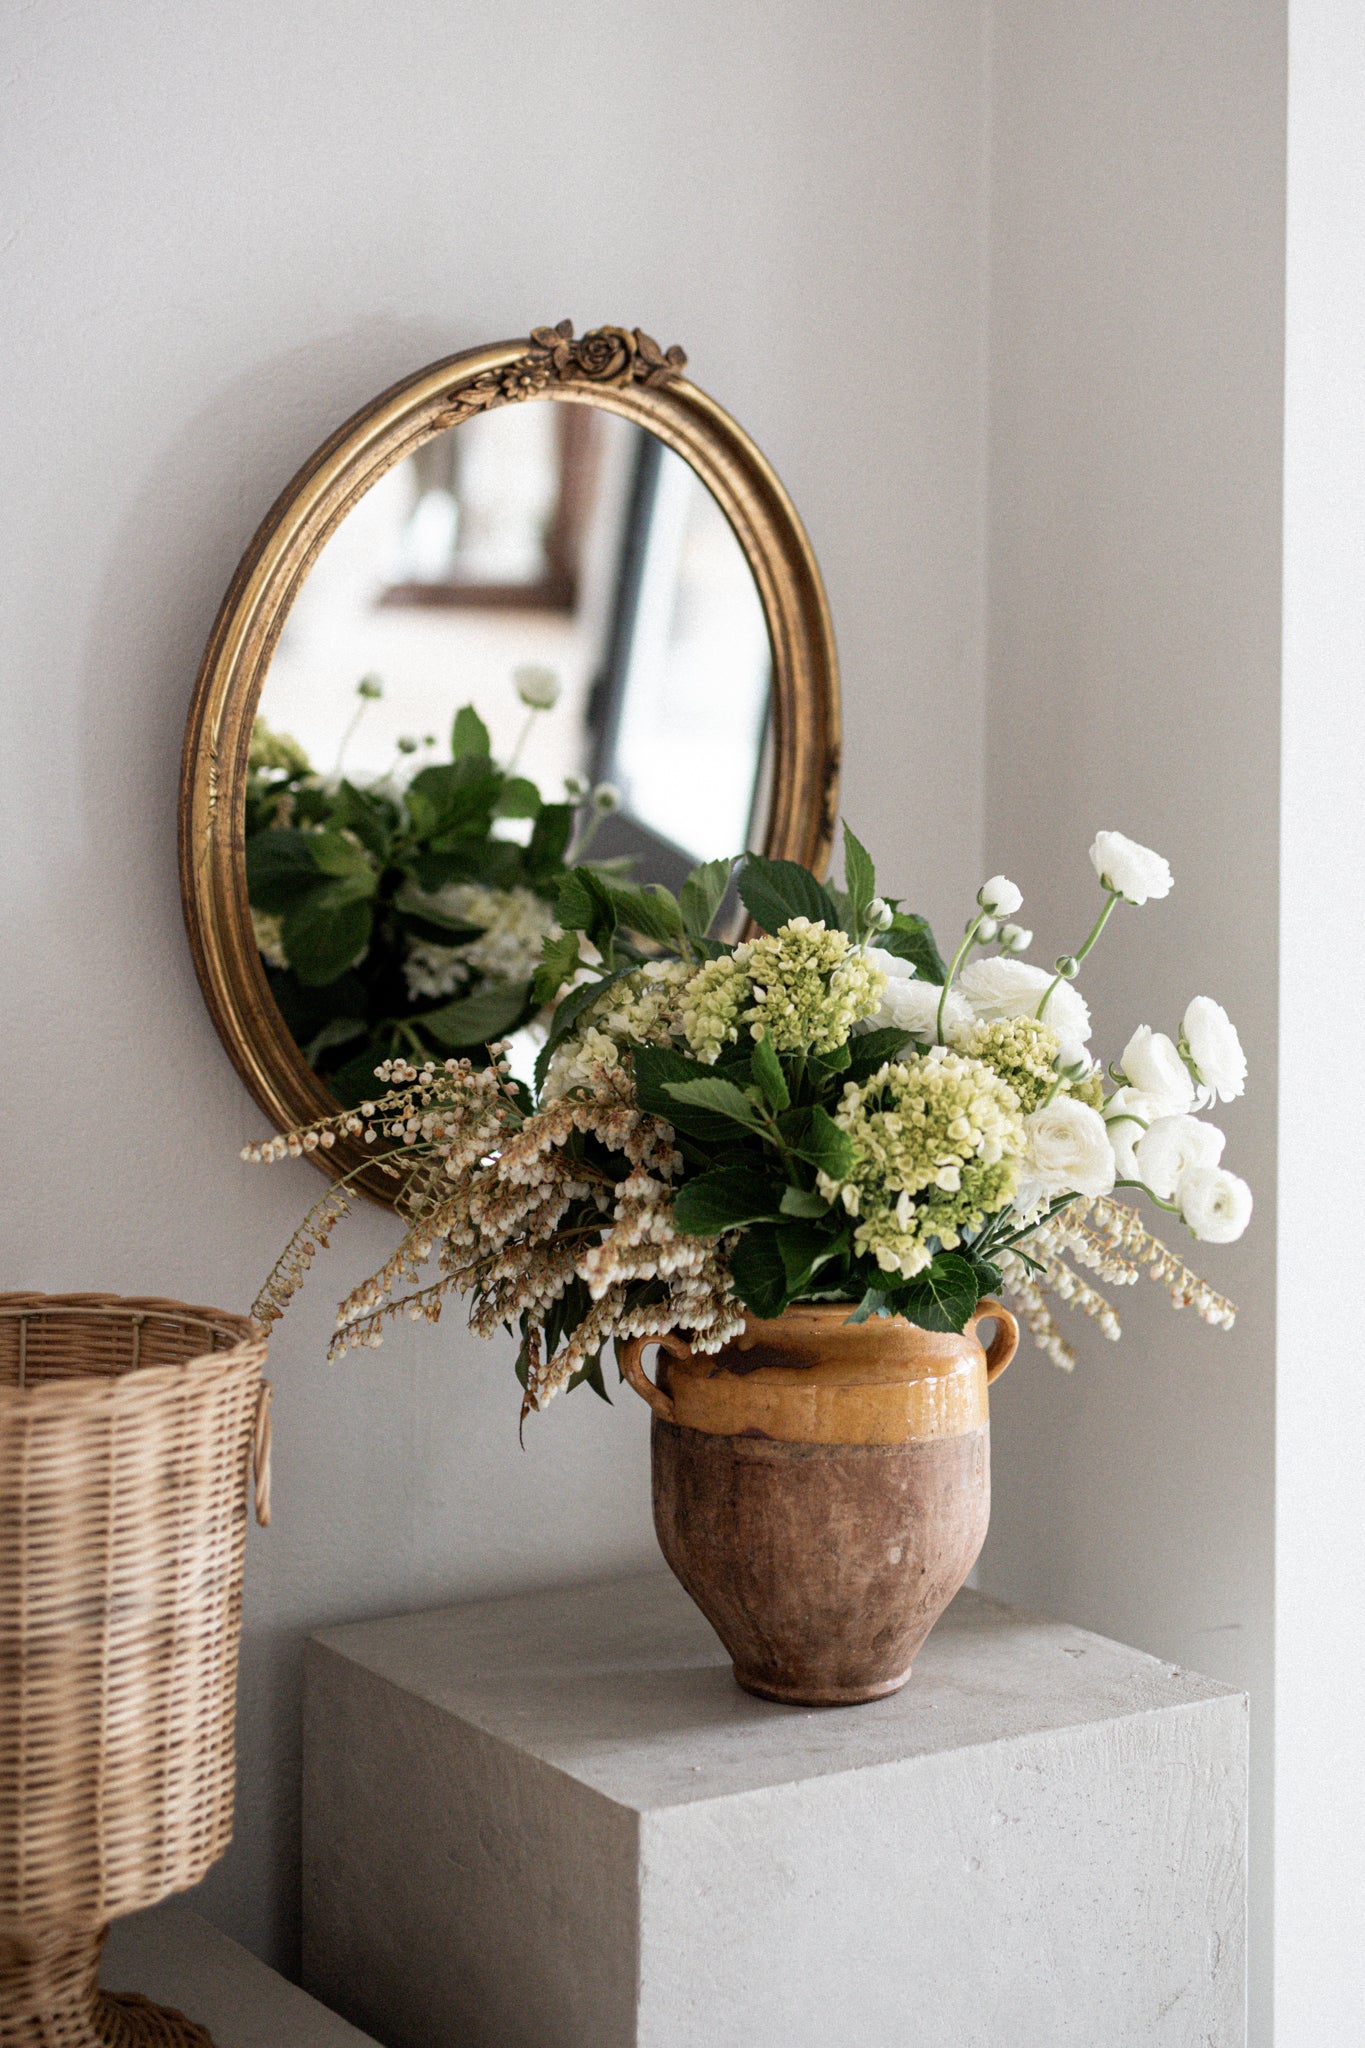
<point>226,229</point>
<point>1136,321</point>
<point>1320,1426</point>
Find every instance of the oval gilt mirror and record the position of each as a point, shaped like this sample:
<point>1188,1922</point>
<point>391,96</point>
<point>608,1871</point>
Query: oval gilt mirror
<point>542,605</point>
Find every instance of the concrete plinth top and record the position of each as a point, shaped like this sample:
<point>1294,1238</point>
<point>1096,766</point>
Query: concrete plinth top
<point>624,1687</point>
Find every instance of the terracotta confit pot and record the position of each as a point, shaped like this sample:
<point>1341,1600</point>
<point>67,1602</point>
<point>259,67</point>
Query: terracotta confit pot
<point>822,1489</point>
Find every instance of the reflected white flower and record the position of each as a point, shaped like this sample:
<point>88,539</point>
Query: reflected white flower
<point>515,923</point>
<point>1216,1204</point>
<point>538,688</point>
<point>1171,1148</point>
<point>1138,874</point>
<point>1215,1049</point>
<point>1152,1063</point>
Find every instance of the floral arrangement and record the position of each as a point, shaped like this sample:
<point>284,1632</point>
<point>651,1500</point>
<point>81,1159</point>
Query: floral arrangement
<point>406,916</point>
<point>823,1111</point>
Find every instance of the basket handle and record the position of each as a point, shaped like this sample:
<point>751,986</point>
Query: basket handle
<point>260,1452</point>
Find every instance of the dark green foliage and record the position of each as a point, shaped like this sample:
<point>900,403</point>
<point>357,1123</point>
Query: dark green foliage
<point>348,870</point>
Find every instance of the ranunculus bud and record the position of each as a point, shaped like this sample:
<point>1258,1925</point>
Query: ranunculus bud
<point>575,789</point>
<point>881,915</point>
<point>1068,967</point>
<point>606,797</point>
<point>999,895</point>
<point>1015,938</point>
<point>986,931</point>
<point>369,686</point>
<point>538,688</point>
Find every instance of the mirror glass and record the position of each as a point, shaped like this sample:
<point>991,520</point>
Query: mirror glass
<point>534,641</point>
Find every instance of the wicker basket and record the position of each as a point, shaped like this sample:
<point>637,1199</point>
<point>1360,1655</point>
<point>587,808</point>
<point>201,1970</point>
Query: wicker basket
<point>128,1432</point>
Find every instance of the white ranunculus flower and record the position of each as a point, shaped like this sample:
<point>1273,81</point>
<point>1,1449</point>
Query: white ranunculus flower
<point>1068,1149</point>
<point>1000,896</point>
<point>1174,1146</point>
<point>1215,1203</point>
<point>1215,1048</point>
<point>1005,987</point>
<point>1127,1114</point>
<point>1152,1063</point>
<point>1135,871</point>
<point>912,1005</point>
<point>537,687</point>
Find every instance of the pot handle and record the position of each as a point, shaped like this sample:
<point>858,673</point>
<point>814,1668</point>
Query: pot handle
<point>1004,1343</point>
<point>629,1353</point>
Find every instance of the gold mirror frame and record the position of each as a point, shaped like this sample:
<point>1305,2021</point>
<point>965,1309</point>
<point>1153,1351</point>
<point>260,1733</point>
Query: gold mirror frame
<point>620,369</point>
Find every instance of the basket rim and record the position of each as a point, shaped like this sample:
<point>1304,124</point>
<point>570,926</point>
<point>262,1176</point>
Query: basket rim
<point>249,1348</point>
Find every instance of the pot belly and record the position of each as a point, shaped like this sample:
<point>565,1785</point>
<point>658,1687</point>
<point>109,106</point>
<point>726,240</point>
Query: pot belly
<point>821,1567</point>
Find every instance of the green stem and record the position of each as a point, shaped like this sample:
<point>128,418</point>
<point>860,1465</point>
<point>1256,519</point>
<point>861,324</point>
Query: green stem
<point>525,735</point>
<point>1100,922</point>
<point>1171,1208</point>
<point>969,940</point>
<point>349,733</point>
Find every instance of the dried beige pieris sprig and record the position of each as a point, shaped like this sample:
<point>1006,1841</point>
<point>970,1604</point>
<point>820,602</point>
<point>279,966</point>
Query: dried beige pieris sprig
<point>515,1212</point>
<point>1111,1240</point>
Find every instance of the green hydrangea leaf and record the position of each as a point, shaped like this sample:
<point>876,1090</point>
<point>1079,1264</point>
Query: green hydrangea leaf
<point>803,1202</point>
<point>491,1012</point>
<point>724,1199</point>
<point>702,894</point>
<point>720,1097</point>
<point>860,880</point>
<point>775,891</point>
<point>469,734</point>
<point>757,1273</point>
<point>873,1049</point>
<point>280,868</point>
<point>767,1071</point>
<point>943,1296</point>
<point>910,938</point>
<point>325,932</point>
<point>813,1134</point>
<point>518,798</point>
<point>559,963</point>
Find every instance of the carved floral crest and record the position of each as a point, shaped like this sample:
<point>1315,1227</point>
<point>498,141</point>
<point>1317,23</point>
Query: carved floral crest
<point>606,356</point>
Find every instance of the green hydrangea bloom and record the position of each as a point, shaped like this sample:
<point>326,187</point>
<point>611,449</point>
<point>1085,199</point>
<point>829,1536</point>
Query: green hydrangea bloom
<point>937,1142</point>
<point>277,751</point>
<point>712,1005</point>
<point>810,986</point>
<point>1021,1050</point>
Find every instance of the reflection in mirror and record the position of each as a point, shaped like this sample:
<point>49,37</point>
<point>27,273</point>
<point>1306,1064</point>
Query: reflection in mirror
<point>533,642</point>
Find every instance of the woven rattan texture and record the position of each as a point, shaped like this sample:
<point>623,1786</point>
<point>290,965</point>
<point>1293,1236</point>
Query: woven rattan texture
<point>49,1999</point>
<point>126,1441</point>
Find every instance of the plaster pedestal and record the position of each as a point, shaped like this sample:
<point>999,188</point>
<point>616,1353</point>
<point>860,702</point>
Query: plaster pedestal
<point>173,1955</point>
<point>555,1822</point>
